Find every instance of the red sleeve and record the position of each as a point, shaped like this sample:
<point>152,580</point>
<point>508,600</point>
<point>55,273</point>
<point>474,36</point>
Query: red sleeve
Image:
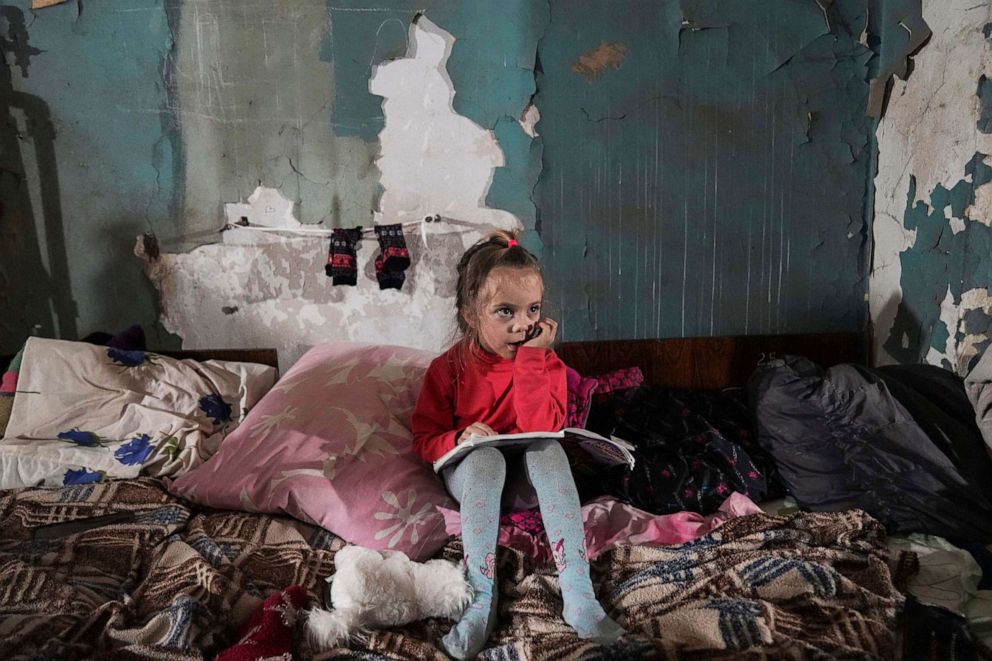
<point>539,390</point>
<point>434,415</point>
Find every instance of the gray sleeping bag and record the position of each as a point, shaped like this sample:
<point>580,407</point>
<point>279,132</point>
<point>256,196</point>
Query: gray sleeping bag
<point>899,442</point>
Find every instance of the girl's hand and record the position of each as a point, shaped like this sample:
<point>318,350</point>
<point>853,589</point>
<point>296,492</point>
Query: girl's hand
<point>546,330</point>
<point>476,429</point>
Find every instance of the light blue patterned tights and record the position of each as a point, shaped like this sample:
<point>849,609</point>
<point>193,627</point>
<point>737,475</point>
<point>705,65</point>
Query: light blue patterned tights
<point>477,483</point>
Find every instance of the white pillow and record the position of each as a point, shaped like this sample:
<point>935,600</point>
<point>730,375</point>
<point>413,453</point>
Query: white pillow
<point>82,412</point>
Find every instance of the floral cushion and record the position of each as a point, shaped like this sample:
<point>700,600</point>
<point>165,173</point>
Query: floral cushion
<point>331,444</point>
<point>84,412</point>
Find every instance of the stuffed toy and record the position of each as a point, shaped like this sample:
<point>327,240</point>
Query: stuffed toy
<point>383,589</point>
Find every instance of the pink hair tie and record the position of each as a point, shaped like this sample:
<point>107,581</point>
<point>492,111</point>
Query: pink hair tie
<point>512,243</point>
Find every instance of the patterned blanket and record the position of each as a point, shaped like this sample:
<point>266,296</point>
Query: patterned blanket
<point>178,582</point>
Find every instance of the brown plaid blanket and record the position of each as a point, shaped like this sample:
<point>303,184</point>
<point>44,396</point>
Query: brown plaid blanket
<point>178,581</point>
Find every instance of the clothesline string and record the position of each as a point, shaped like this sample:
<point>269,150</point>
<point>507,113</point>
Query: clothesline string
<point>367,232</point>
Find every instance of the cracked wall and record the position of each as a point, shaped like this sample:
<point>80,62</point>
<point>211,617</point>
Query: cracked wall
<point>491,67</point>
<point>265,290</point>
<point>167,111</point>
<point>685,168</point>
<point>930,298</point>
<point>705,167</point>
<point>253,93</point>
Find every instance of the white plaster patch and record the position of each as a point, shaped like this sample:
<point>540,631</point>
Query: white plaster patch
<point>981,210</point>
<point>432,160</point>
<point>960,347</point>
<point>529,119</point>
<point>294,307</point>
<point>957,225</point>
<point>266,207</point>
<point>977,299</point>
<point>929,132</point>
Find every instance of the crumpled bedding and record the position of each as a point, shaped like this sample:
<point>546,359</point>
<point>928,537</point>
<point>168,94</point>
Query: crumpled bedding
<point>83,412</point>
<point>180,581</point>
<point>694,448</point>
<point>610,522</point>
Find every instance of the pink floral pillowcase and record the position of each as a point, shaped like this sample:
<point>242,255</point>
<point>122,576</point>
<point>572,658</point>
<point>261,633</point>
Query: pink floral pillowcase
<point>330,444</point>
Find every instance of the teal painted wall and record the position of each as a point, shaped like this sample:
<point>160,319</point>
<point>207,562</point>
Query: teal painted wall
<point>939,262</point>
<point>90,160</point>
<point>932,264</point>
<point>163,111</point>
<point>713,181</point>
<point>491,67</point>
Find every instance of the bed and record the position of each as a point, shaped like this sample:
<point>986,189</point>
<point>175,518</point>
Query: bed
<point>178,580</point>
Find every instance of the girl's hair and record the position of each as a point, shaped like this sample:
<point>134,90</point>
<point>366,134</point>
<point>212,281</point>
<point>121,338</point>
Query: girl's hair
<point>499,249</point>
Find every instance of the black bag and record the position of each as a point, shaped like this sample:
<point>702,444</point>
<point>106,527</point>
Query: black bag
<point>898,442</point>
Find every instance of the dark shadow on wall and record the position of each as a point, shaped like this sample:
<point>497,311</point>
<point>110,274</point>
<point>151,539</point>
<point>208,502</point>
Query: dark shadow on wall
<point>159,337</point>
<point>908,342</point>
<point>119,293</point>
<point>35,287</point>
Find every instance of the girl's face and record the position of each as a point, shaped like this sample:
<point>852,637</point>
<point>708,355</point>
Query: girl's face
<point>508,305</point>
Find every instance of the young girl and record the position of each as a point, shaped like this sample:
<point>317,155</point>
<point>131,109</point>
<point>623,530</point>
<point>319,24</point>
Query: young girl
<point>502,377</point>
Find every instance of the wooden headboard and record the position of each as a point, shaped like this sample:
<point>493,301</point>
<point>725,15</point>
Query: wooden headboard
<point>705,363</point>
<point>698,363</point>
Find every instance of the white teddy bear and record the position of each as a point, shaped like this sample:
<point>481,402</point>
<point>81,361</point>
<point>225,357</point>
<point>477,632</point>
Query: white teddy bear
<point>383,589</point>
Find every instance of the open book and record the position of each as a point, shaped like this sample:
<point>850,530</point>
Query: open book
<point>593,447</point>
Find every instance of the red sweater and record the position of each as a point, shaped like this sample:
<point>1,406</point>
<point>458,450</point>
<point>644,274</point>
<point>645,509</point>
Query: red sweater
<point>521,395</point>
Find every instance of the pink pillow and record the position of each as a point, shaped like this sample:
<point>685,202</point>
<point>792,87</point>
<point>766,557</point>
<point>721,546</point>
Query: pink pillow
<point>330,444</point>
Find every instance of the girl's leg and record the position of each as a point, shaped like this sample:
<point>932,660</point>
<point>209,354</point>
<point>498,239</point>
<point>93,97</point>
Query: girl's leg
<point>548,471</point>
<point>476,483</point>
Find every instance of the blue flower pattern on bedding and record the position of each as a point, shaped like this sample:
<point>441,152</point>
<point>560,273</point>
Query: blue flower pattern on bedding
<point>126,358</point>
<point>85,438</point>
<point>216,408</point>
<point>136,451</point>
<point>173,408</point>
<point>81,476</point>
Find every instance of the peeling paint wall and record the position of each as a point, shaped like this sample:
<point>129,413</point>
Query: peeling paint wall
<point>684,168</point>
<point>932,267</point>
<point>266,290</point>
<point>253,94</point>
<point>491,68</point>
<point>199,103</point>
<point>705,167</point>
